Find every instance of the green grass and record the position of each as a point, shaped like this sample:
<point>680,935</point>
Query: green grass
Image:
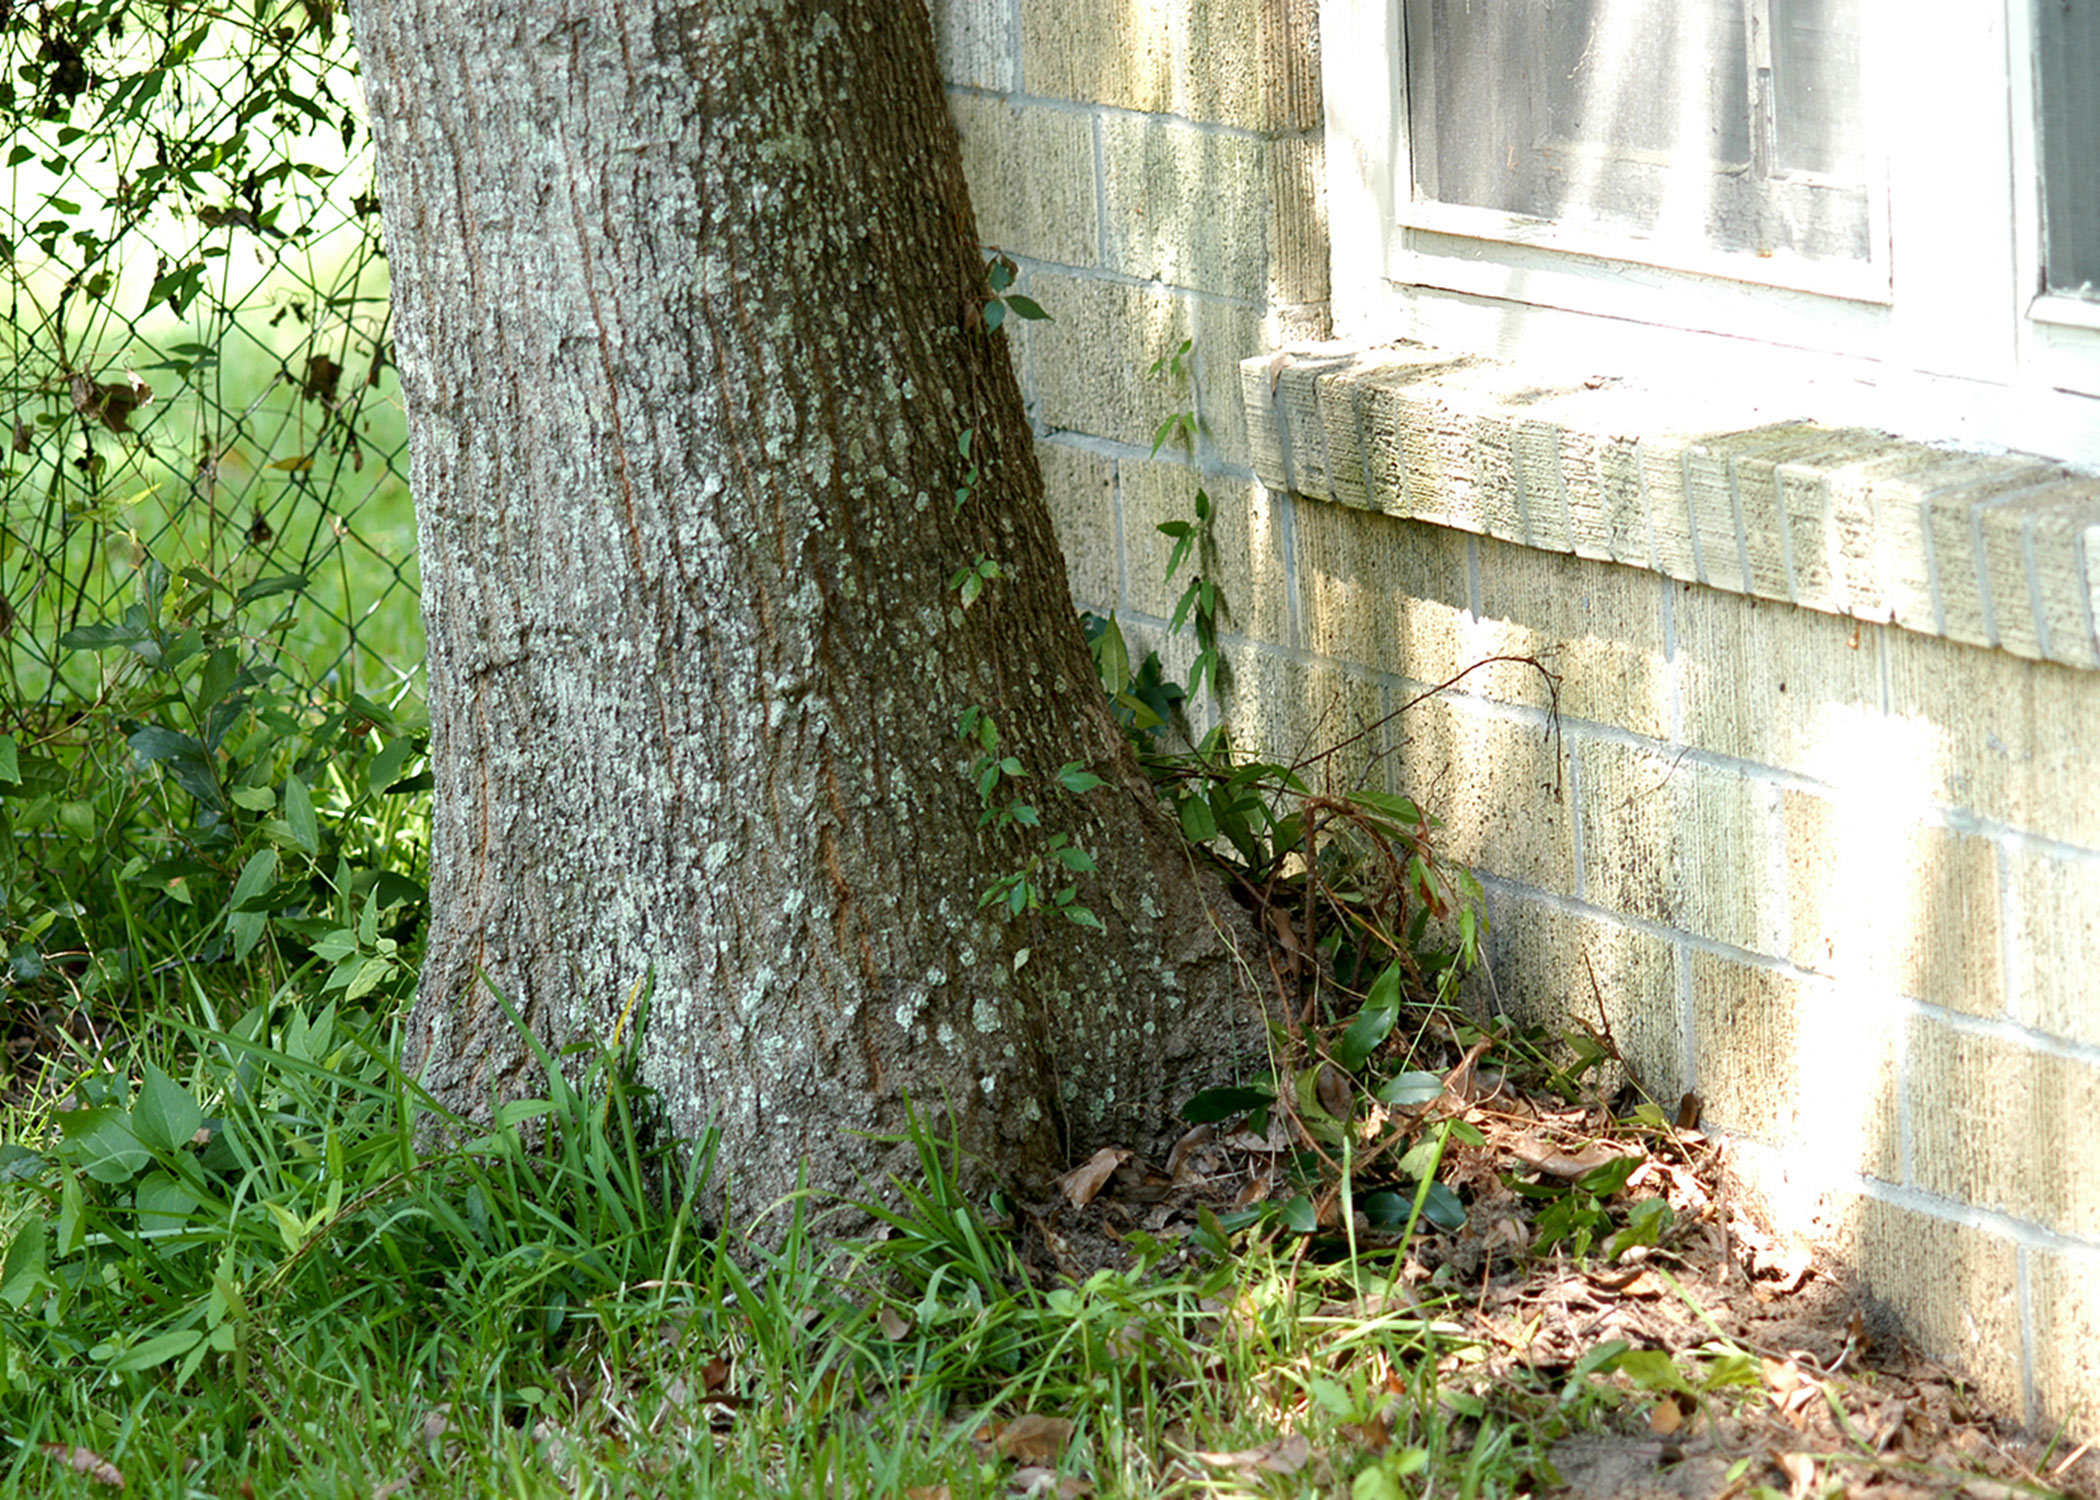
<point>305,1303</point>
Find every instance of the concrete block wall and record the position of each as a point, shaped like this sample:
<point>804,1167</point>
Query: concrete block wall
<point>1819,806</point>
<point>1153,166</point>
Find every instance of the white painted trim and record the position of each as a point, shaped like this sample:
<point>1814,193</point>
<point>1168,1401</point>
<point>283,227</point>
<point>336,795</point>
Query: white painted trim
<point>1942,340</point>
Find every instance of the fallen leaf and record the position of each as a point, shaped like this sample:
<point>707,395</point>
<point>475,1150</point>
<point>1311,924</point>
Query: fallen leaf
<point>926,1492</point>
<point>1031,1439</point>
<point>1045,1483</point>
<point>1332,1088</point>
<point>893,1325</point>
<point>1569,1165</point>
<point>1194,1136</point>
<point>1800,1470</point>
<point>87,1461</point>
<point>1286,1456</point>
<point>1085,1180</point>
<point>1666,1417</point>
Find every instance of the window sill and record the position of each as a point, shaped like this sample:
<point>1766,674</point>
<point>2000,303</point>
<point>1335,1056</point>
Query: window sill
<point>1995,550</point>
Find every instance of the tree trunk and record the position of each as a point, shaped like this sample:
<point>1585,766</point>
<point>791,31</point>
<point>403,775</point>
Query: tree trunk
<point>687,314</point>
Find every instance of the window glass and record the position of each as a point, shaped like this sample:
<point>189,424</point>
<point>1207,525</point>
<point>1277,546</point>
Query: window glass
<point>1713,124</point>
<point>2068,54</point>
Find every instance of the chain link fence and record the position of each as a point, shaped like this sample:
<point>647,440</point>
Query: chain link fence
<point>196,336</point>
<point>208,587</point>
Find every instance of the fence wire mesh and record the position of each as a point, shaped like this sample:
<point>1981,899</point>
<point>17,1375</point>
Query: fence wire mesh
<point>196,348</point>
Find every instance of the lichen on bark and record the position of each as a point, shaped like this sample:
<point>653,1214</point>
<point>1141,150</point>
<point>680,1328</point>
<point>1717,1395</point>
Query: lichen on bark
<point>687,317</point>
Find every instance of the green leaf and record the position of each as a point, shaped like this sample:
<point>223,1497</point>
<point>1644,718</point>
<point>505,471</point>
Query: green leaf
<point>1374,1023</point>
<point>1608,1179</point>
<point>101,1141</point>
<point>1409,1090</point>
<point>1028,308</point>
<point>22,1274</point>
<point>1213,1105</point>
<point>1651,1370</point>
<point>299,814</point>
<point>1076,780</point>
<point>1197,824</point>
<point>10,766</point>
<point>1401,810</point>
<point>18,1163</point>
<point>258,878</point>
<point>157,1351</point>
<point>165,1116</point>
<point>994,315</point>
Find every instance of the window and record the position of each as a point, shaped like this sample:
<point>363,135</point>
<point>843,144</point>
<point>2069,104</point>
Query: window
<point>1895,200</point>
<point>2067,51</point>
<point>1684,127</point>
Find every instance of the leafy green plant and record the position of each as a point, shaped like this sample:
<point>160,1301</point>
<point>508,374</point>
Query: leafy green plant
<point>211,808</point>
<point>1000,273</point>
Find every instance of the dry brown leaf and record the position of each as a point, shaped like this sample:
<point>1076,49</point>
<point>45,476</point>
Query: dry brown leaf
<point>1031,1439</point>
<point>926,1491</point>
<point>87,1461</point>
<point>1667,1416</point>
<point>1332,1088</point>
<point>1193,1137</point>
<point>892,1324</point>
<point>1085,1180</point>
<point>1800,1470</point>
<point>1554,1162</point>
<point>1286,1456</point>
<point>1042,1483</point>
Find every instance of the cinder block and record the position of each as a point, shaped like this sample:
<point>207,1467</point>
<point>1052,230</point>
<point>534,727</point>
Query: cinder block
<point>2000,1126</point>
<point>1226,333</point>
<point>2006,739</point>
<point>2063,1290</point>
<point>1383,594</point>
<point>1955,1290</point>
<point>1031,173</point>
<point>1290,64</point>
<point>1662,470</point>
<point>1897,489</point>
<point>1499,785</point>
<point>1778,685</point>
<point>1893,907</point>
<point>1186,206</point>
<point>1092,361</point>
<point>1298,261</point>
<point>1959,571</point>
<point>1830,526</point>
<point>1596,624</point>
<point>1329,723</point>
<point>974,39</point>
<point>1554,968</point>
<point>1244,558</point>
<point>1795,1063</point>
<point>1722,519</point>
<point>2056,944</point>
<point>2038,596</point>
<point>1451,440</point>
<point>1079,488</point>
<point>1581,485</point>
<point>1199,59</point>
<point>1687,845</point>
<point>1543,488</point>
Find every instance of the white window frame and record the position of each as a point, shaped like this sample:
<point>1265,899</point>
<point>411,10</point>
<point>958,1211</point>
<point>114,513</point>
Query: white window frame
<point>1944,322</point>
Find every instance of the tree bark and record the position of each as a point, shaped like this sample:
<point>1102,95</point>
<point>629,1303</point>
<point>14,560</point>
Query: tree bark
<point>687,314</point>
